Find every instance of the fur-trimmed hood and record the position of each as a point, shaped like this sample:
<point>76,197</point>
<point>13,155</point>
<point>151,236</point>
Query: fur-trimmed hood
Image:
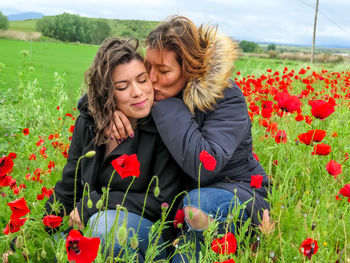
<point>203,92</point>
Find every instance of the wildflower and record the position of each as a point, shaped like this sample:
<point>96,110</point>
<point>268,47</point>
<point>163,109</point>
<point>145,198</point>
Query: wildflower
<point>6,165</point>
<point>321,149</point>
<point>179,218</point>
<point>227,261</point>
<point>71,129</point>
<point>25,131</point>
<point>321,109</point>
<point>345,191</point>
<point>208,160</point>
<point>334,168</point>
<point>14,225</point>
<point>312,136</point>
<point>256,181</point>
<point>308,247</point>
<point>225,245</point>
<point>81,249</point>
<point>288,102</point>
<point>52,221</point>
<point>281,136</point>
<point>127,165</point>
<point>19,207</point>
<point>12,156</point>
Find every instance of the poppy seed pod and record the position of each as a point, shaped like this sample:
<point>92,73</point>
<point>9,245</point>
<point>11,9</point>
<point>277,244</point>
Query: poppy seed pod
<point>99,204</point>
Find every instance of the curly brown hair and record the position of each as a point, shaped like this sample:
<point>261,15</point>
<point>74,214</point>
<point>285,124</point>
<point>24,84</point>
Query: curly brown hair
<point>100,86</point>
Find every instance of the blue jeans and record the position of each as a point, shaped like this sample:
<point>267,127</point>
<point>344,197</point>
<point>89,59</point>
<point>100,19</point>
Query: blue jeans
<point>101,229</point>
<point>218,204</point>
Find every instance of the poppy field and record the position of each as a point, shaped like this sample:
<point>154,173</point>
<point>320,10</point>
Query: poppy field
<point>301,136</point>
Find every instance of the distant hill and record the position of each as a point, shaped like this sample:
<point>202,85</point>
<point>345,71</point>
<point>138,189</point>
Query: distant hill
<point>24,16</point>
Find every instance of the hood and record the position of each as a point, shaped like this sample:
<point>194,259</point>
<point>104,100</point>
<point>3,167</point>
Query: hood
<point>203,92</point>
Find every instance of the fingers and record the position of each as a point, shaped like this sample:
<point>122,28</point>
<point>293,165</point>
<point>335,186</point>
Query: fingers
<point>122,127</point>
<point>6,255</point>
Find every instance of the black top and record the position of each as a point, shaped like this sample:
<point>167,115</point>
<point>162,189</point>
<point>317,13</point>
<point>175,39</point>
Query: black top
<point>154,159</point>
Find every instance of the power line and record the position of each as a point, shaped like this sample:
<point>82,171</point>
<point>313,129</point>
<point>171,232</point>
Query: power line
<point>323,13</point>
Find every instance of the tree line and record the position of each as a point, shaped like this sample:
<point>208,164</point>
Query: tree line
<point>74,28</point>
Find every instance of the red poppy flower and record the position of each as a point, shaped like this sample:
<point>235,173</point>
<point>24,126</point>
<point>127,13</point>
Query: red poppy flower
<point>71,129</point>
<point>81,249</point>
<point>345,191</point>
<point>288,102</point>
<point>308,247</point>
<point>225,245</point>
<point>334,168</point>
<point>127,165</point>
<point>266,109</point>
<point>281,136</point>
<point>50,137</point>
<point>19,207</point>
<point>208,160</point>
<point>51,165</point>
<point>321,109</point>
<point>14,225</point>
<point>179,218</point>
<point>12,156</point>
<point>227,261</point>
<point>46,192</point>
<point>299,117</point>
<point>321,149</point>
<point>52,221</point>
<point>25,131</point>
<point>312,136</point>
<point>256,181</point>
<point>7,180</point>
<point>32,157</point>
<point>6,165</point>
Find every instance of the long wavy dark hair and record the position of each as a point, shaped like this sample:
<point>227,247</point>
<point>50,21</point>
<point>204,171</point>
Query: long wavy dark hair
<point>100,86</point>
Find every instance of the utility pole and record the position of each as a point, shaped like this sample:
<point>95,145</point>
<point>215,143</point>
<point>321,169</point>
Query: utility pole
<point>313,39</point>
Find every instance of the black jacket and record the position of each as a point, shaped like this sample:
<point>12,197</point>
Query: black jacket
<point>225,133</point>
<point>154,159</point>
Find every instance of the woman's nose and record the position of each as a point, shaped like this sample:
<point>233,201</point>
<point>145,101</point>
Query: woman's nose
<point>136,91</point>
<point>153,75</point>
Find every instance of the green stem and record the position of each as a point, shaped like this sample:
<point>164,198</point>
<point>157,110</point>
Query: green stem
<point>75,187</point>
<point>144,202</point>
<point>127,190</point>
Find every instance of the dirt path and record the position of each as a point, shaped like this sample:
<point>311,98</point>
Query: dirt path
<point>15,34</point>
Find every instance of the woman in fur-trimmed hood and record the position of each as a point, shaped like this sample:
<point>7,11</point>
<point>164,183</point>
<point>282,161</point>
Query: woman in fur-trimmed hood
<point>199,108</point>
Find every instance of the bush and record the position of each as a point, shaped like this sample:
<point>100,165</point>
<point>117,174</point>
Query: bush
<point>248,46</point>
<point>73,28</point>
<point>4,22</point>
<point>271,47</point>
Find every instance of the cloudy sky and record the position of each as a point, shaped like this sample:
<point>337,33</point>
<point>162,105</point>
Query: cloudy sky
<point>276,21</point>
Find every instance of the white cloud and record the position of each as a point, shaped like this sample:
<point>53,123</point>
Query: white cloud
<point>269,21</point>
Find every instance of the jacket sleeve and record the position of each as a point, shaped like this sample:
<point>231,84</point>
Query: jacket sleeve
<point>64,189</point>
<point>222,131</point>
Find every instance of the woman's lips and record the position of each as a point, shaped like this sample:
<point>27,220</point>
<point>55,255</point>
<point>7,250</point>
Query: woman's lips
<point>140,103</point>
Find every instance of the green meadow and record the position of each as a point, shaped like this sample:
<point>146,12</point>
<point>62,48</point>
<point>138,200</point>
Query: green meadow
<point>40,83</point>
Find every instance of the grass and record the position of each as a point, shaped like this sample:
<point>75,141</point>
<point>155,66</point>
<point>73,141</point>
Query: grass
<point>24,26</point>
<point>302,198</point>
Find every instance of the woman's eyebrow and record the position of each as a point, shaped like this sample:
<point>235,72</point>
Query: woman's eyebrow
<point>122,81</point>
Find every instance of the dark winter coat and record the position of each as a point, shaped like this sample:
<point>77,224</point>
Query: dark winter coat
<point>154,159</point>
<point>224,132</point>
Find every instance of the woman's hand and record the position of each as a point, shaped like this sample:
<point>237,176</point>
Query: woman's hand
<point>121,127</point>
<point>74,219</point>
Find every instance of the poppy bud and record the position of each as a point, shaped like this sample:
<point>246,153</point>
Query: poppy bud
<point>89,203</point>
<point>122,235</point>
<point>19,241</point>
<point>90,154</point>
<point>164,207</point>
<point>99,204</point>
<point>190,214</point>
<point>43,253</point>
<point>134,242</point>
<point>156,191</point>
